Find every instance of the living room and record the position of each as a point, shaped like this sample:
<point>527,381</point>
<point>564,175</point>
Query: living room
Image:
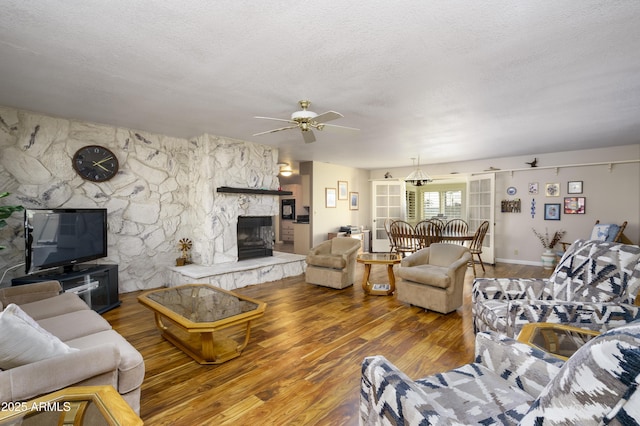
<point>175,152</point>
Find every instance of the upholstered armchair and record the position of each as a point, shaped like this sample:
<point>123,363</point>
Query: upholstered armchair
<point>433,277</point>
<point>593,286</point>
<point>332,263</point>
<point>512,383</point>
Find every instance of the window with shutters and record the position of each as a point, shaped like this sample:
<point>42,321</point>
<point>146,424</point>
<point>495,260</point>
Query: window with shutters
<point>442,203</point>
<point>411,205</point>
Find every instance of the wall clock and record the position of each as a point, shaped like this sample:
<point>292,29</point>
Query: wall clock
<point>95,163</point>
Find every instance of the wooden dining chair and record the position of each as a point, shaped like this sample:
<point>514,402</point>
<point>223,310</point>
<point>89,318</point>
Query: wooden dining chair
<point>476,245</point>
<point>455,228</point>
<point>428,232</point>
<point>387,227</point>
<point>403,236</point>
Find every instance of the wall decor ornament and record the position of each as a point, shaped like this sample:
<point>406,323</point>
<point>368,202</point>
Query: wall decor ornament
<point>343,190</point>
<point>574,205</point>
<point>533,208</point>
<point>574,187</point>
<point>552,212</point>
<point>354,201</point>
<point>330,197</point>
<point>552,190</point>
<point>533,188</point>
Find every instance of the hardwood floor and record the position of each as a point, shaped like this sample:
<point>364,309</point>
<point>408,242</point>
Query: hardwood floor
<point>302,363</point>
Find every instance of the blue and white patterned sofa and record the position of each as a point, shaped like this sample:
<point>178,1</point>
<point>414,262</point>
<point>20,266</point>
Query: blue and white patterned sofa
<point>511,383</point>
<point>593,286</point>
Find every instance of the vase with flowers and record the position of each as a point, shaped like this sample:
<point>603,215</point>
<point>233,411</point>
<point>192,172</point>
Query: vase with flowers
<point>548,256</point>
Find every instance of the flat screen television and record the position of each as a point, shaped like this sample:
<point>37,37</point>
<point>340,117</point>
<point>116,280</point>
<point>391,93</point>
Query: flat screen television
<point>63,237</point>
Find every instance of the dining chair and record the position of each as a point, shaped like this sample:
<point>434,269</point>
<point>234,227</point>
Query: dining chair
<point>455,228</point>
<point>403,236</point>
<point>476,245</point>
<point>428,232</point>
<point>387,227</point>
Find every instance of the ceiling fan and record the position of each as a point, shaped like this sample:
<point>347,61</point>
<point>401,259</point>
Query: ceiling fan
<point>307,121</point>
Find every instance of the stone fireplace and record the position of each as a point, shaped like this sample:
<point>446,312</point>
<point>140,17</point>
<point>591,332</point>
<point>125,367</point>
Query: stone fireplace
<point>227,163</point>
<point>255,237</point>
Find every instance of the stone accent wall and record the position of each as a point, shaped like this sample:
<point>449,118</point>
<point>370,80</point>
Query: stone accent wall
<point>164,191</point>
<point>237,164</point>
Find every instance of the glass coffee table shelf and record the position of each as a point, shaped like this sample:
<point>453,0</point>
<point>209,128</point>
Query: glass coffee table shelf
<point>559,340</point>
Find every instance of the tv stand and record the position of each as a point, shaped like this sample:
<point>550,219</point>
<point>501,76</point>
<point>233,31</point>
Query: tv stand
<point>97,285</point>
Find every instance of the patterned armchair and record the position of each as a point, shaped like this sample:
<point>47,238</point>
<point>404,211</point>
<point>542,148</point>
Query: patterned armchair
<point>593,287</point>
<point>512,383</point>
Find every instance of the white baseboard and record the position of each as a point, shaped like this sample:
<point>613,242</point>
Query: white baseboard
<point>519,262</point>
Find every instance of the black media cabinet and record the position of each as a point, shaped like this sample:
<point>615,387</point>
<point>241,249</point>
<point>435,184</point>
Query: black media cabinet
<point>97,285</point>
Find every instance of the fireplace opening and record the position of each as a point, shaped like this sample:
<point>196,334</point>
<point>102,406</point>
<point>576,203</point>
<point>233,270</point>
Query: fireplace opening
<point>255,237</point>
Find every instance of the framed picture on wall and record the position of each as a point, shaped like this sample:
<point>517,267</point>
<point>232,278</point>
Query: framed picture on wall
<point>354,201</point>
<point>533,187</point>
<point>342,190</point>
<point>552,212</point>
<point>574,187</point>
<point>330,197</point>
<point>574,205</point>
<point>552,190</point>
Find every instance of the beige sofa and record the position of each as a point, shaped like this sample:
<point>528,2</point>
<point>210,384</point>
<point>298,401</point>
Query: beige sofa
<point>433,278</point>
<point>332,263</point>
<point>61,342</point>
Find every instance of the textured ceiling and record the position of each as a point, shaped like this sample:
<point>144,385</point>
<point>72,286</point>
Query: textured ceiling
<point>443,80</point>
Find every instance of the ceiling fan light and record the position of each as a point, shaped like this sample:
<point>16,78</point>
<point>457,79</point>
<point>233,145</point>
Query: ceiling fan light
<point>285,170</point>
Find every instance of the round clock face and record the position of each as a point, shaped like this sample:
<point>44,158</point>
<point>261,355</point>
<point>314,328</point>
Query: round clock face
<point>95,163</point>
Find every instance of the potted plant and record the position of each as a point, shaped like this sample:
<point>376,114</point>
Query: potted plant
<point>6,211</point>
<point>548,256</point>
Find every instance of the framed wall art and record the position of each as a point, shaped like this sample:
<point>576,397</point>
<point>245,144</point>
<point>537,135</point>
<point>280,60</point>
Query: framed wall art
<point>342,190</point>
<point>354,201</point>
<point>574,205</point>
<point>552,190</point>
<point>330,197</point>
<point>574,187</point>
<point>533,188</point>
<point>552,212</point>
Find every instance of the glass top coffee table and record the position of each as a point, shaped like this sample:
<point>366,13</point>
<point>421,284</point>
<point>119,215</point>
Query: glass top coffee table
<point>192,316</point>
<point>389,259</point>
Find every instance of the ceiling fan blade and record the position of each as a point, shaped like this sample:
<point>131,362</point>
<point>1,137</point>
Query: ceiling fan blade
<point>275,130</point>
<point>277,119</point>
<point>336,127</point>
<point>308,136</point>
<point>327,116</point>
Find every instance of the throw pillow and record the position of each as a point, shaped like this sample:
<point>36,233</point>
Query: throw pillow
<point>24,341</point>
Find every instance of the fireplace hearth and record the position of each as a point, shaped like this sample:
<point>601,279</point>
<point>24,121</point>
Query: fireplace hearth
<point>255,237</point>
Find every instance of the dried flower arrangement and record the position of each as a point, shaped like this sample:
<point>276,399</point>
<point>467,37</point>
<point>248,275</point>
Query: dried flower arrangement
<point>544,239</point>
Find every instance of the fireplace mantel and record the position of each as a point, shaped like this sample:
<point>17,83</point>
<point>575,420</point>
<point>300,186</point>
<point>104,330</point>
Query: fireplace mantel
<point>229,190</point>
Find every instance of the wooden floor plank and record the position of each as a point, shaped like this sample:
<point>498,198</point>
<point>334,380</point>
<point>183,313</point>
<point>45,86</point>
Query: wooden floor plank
<point>302,363</point>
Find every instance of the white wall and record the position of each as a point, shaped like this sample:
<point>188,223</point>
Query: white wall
<point>327,220</point>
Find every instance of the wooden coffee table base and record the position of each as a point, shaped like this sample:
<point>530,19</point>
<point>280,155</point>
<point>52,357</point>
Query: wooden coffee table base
<point>205,347</point>
<point>379,289</point>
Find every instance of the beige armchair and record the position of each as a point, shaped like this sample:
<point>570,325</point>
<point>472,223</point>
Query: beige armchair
<point>332,263</point>
<point>433,278</point>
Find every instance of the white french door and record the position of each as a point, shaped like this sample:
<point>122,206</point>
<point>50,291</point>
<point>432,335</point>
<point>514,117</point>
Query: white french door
<point>480,207</point>
<point>388,203</point>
